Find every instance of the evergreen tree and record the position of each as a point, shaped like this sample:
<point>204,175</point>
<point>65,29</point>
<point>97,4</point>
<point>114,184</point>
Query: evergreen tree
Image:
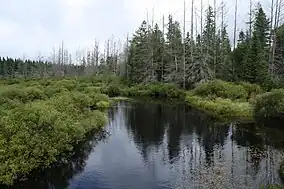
<point>259,49</point>
<point>138,60</point>
<point>224,64</point>
<point>208,37</point>
<point>157,45</point>
<point>173,61</point>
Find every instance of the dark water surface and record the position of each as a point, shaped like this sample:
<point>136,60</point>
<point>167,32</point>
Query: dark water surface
<point>154,146</point>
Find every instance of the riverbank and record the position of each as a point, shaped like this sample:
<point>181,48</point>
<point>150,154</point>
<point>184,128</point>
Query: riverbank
<point>42,120</point>
<point>218,98</point>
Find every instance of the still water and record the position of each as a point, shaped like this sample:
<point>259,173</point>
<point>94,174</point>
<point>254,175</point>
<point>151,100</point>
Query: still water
<point>156,146</point>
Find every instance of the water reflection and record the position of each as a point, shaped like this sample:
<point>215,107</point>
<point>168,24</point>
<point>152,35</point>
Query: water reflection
<point>201,150</point>
<point>170,146</point>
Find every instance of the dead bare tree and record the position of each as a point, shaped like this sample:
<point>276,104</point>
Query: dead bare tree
<point>183,57</point>
<point>163,48</point>
<point>41,64</point>
<point>235,24</point>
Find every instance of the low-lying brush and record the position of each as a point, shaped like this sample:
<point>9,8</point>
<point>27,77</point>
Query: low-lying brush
<point>270,104</point>
<point>158,90</point>
<point>42,120</point>
<point>222,89</point>
<point>234,91</point>
<point>221,107</point>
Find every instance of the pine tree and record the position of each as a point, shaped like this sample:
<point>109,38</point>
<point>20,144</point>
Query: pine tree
<point>138,62</point>
<point>224,64</point>
<point>157,45</point>
<point>208,37</point>
<point>259,48</point>
<point>173,63</point>
<point>239,57</point>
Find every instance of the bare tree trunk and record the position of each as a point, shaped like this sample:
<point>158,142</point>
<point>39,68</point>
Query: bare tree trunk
<point>215,41</point>
<point>163,46</point>
<point>107,56</point>
<point>191,33</point>
<point>271,39</point>
<point>62,58</point>
<point>235,34</point>
<point>201,24</point>
<point>24,68</point>
<point>150,47</point>
<point>250,18</point>
<point>40,58</point>
<point>183,46</point>
<point>152,50</point>
<point>222,28</point>
<point>276,24</point>
<point>126,58</point>
<point>235,24</point>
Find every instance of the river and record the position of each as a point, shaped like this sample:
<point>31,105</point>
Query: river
<point>161,146</point>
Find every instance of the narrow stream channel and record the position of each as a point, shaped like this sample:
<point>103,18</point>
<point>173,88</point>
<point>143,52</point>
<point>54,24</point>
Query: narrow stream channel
<point>155,146</point>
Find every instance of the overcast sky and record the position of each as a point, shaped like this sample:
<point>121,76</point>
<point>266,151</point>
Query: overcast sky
<point>29,26</point>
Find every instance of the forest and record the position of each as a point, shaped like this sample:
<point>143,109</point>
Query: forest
<point>62,98</point>
<point>170,55</point>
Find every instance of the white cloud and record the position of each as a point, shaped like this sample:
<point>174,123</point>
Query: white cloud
<point>31,25</point>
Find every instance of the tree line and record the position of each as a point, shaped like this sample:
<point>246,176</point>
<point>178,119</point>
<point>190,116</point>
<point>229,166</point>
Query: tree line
<point>172,54</point>
<point>257,56</point>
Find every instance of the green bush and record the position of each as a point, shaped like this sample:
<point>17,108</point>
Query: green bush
<point>218,88</point>
<point>272,186</point>
<point>270,104</point>
<point>65,83</point>
<point>91,89</point>
<point>22,94</point>
<point>32,135</point>
<point>111,90</point>
<point>51,91</point>
<point>220,107</point>
<point>252,89</point>
<point>102,104</point>
<point>158,90</point>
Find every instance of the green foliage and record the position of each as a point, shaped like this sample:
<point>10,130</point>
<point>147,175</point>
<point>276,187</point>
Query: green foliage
<point>22,94</point>
<point>270,104</point>
<point>218,88</point>
<point>111,90</point>
<point>157,90</point>
<point>224,108</point>
<point>102,104</point>
<point>41,120</point>
<point>272,186</point>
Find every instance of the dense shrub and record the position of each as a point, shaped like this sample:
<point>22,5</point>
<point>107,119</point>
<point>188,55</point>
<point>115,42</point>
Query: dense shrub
<point>270,104</point>
<point>34,134</point>
<point>65,83</point>
<point>158,90</point>
<point>252,89</point>
<point>42,119</point>
<point>165,91</point>
<point>90,89</point>
<point>22,94</point>
<point>221,107</point>
<point>111,90</point>
<point>218,88</point>
<point>51,91</point>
